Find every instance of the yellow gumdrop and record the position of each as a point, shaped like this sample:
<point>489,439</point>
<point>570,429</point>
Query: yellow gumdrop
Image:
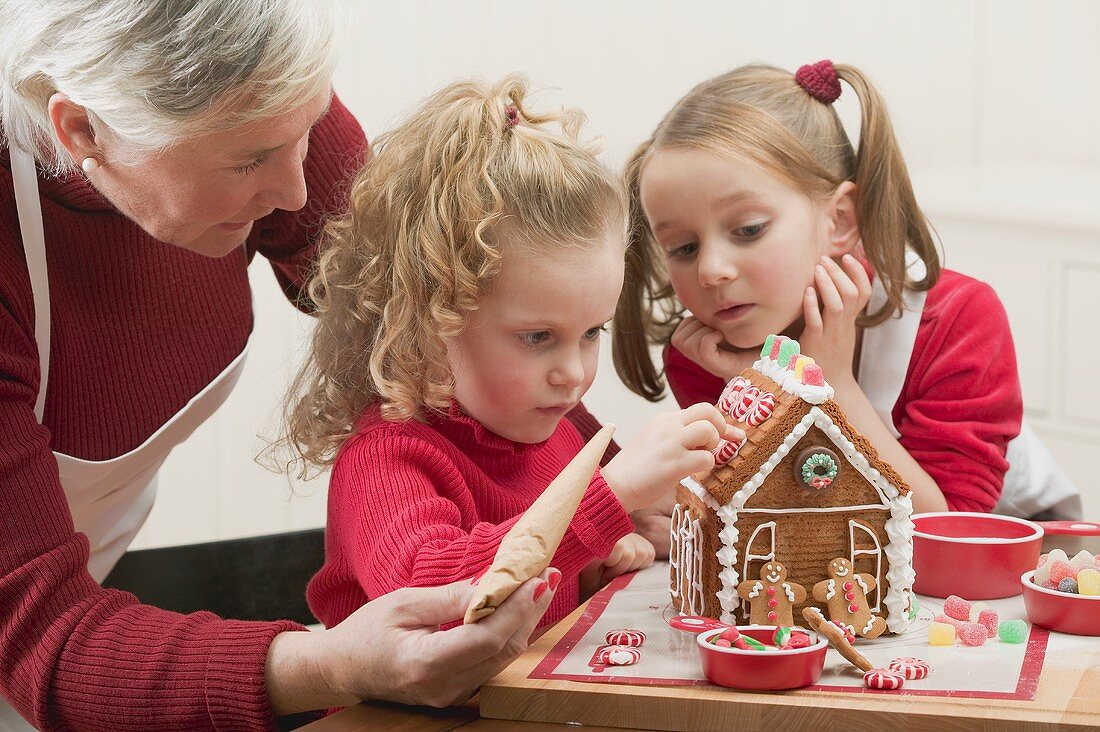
<point>801,363</point>
<point>1088,582</point>
<point>941,634</point>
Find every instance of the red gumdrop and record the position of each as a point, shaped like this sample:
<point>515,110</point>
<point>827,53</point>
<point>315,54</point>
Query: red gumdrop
<point>1061,570</point>
<point>1048,585</point>
<point>812,375</point>
<point>956,607</point>
<point>1043,559</point>
<point>989,620</point>
<point>948,620</point>
<point>972,634</point>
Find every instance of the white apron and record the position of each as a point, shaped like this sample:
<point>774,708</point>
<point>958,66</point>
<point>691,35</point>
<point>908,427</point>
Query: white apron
<point>109,499</point>
<point>1034,484</point>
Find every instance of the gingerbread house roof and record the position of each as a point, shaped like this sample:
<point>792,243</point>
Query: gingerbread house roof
<point>781,395</point>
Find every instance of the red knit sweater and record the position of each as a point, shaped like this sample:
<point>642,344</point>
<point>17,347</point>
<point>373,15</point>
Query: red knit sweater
<point>138,328</point>
<point>959,407</point>
<point>415,504</point>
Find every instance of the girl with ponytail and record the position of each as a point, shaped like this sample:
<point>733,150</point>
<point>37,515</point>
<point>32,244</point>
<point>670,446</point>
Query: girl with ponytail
<point>751,213</point>
<point>460,304</point>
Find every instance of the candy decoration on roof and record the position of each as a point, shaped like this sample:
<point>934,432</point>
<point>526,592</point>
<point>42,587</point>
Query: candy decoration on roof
<point>726,451</point>
<point>753,406</point>
<point>732,393</point>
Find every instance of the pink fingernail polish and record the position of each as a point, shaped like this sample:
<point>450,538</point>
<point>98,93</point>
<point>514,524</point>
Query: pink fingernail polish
<point>540,590</point>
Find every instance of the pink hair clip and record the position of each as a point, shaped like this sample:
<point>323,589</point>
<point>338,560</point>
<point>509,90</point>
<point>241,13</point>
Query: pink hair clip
<point>512,115</point>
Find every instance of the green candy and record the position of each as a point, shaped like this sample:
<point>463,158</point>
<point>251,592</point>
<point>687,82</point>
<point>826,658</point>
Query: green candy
<point>766,351</point>
<point>914,607</point>
<point>787,350</point>
<point>1012,631</point>
<point>782,635</point>
<point>752,643</point>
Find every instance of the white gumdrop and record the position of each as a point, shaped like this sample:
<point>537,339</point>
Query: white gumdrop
<point>1081,559</point>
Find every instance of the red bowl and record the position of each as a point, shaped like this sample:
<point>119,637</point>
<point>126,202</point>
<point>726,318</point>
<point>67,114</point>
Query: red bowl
<point>762,670</point>
<point>1060,611</point>
<point>978,556</point>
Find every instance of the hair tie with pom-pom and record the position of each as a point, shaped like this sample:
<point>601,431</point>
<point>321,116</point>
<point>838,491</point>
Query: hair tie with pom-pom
<point>820,81</point>
<point>512,116</point>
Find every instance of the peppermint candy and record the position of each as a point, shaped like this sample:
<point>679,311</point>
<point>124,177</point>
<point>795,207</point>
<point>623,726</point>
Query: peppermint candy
<point>732,393</point>
<point>911,668</point>
<point>881,678</point>
<point>726,451</point>
<point>625,637</point>
<point>618,655</point>
<point>754,406</point>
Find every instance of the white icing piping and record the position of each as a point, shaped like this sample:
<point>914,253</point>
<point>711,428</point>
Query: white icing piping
<point>899,527</point>
<point>686,560</point>
<point>876,553</point>
<point>789,383</point>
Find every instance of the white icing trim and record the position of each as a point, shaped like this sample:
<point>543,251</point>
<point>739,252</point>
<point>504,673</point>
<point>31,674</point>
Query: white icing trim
<point>876,553</point>
<point>862,585</point>
<point>789,591</point>
<point>755,591</point>
<point>870,624</point>
<point>831,591</point>
<point>686,561</point>
<point>899,527</point>
<point>750,557</point>
<point>789,383</point>
<point>700,492</point>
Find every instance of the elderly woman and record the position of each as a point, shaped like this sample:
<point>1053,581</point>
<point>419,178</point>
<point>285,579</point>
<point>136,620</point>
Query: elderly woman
<point>151,149</point>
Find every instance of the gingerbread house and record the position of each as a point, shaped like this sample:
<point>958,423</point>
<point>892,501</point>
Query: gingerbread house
<point>803,490</point>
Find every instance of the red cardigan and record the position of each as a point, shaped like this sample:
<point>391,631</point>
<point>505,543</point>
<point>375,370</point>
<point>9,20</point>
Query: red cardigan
<point>139,327</point>
<point>420,504</point>
<point>958,409</point>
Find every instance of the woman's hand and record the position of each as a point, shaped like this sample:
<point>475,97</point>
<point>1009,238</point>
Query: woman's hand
<point>830,308</point>
<point>671,447</point>
<point>392,649</point>
<point>707,347</point>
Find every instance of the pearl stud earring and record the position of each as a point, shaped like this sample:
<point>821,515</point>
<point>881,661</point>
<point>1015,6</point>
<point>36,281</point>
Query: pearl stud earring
<point>88,165</point>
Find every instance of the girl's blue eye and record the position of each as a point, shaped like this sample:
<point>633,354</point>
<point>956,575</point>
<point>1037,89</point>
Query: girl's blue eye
<point>685,250</point>
<point>593,334</point>
<point>751,231</point>
<point>535,339</point>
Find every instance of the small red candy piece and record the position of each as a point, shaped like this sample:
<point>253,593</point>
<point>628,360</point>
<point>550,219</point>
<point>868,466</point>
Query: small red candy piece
<point>625,637</point>
<point>990,620</point>
<point>730,634</point>
<point>812,375</point>
<point>853,608</point>
<point>956,607</point>
<point>798,640</point>
<point>849,634</point>
<point>883,678</point>
<point>771,590</point>
<point>849,596</point>
<point>772,616</point>
<point>911,668</point>
<point>772,603</point>
<point>847,586</point>
<point>722,643</point>
<point>972,634</point>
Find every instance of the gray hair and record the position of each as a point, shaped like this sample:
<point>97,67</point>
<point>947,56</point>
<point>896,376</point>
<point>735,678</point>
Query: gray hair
<point>155,72</point>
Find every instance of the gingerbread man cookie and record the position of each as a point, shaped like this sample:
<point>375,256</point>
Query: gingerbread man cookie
<point>836,636</point>
<point>771,598</point>
<point>845,594</point>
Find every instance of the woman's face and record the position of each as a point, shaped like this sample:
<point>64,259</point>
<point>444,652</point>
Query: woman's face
<point>205,193</point>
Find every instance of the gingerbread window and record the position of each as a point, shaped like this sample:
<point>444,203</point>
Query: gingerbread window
<point>866,557</point>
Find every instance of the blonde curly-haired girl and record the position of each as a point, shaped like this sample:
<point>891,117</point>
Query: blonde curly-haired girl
<point>460,303</point>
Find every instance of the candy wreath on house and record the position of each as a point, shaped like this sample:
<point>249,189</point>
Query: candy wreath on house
<point>803,513</point>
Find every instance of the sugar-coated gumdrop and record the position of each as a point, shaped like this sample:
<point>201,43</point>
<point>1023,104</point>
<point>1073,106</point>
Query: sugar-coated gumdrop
<point>1042,570</point>
<point>1048,585</point>
<point>956,607</point>
<point>1058,555</point>
<point>1012,631</point>
<point>1081,560</point>
<point>973,634</point>
<point>941,634</point>
<point>976,611</point>
<point>1060,570</point>
<point>989,620</point>
<point>1068,585</point>
<point>1088,582</point>
<point>812,375</point>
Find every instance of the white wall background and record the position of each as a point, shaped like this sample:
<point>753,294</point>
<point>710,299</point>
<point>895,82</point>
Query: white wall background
<point>995,103</point>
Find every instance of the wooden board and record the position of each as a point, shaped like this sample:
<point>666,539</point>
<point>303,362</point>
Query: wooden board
<point>1067,698</point>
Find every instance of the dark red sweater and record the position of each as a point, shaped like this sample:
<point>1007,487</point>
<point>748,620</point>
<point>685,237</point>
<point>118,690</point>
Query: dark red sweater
<point>421,504</point>
<point>961,402</point>
<point>139,327</point>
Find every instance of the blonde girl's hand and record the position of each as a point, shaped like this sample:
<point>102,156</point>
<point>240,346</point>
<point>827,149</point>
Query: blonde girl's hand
<point>830,307</point>
<point>703,345</point>
<point>655,522</point>
<point>630,553</point>
<point>669,448</point>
